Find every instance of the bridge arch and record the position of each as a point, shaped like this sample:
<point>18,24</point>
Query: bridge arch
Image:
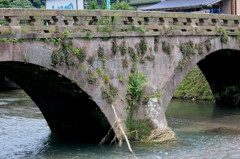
<point>68,109</point>
<point>219,65</point>
<point>221,69</point>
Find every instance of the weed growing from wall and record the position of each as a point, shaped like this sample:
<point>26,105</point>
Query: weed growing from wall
<point>56,41</point>
<point>100,71</point>
<point>156,43</point>
<point>25,58</point>
<point>143,45</point>
<point>58,57</point>
<point>68,60</point>
<point>134,93</point>
<point>92,77</point>
<point>82,68</point>
<point>121,78</point>
<point>208,45</point>
<point>171,30</point>
<point>91,60</point>
<point>224,36</point>
<point>199,48</point>
<point>109,93</point>
<point>134,90</point>
<point>150,57</point>
<point>80,53</point>
<point>134,28</point>
<point>132,54</point>
<point>100,51</point>
<point>105,25</point>
<point>125,63</point>
<point>141,60</point>
<point>123,48</point>
<point>4,40</point>
<point>114,47</point>
<point>183,63</point>
<point>106,78</point>
<point>67,45</point>
<point>187,48</point>
<point>167,47</point>
<point>87,35</point>
<point>66,32</point>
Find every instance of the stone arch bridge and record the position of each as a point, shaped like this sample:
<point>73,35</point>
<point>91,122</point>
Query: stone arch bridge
<point>76,64</point>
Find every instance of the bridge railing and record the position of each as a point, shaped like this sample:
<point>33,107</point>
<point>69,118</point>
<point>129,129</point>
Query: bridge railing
<point>23,22</point>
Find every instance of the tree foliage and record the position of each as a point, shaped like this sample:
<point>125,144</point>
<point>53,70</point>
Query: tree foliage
<point>121,6</point>
<point>93,5</point>
<point>38,3</point>
<point>22,4</point>
<point>117,5</point>
<point>5,4</point>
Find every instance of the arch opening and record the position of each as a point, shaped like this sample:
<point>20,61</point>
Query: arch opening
<point>194,86</point>
<point>222,71</point>
<point>68,110</point>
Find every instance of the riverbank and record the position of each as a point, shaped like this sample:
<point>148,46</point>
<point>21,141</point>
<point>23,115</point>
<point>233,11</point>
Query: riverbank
<point>194,86</point>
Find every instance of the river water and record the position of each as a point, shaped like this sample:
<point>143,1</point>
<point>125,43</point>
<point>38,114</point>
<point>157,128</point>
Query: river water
<point>203,131</point>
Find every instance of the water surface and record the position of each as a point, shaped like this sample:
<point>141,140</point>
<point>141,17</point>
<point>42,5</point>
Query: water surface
<point>203,131</point>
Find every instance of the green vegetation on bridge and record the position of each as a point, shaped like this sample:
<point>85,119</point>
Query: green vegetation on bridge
<point>194,86</point>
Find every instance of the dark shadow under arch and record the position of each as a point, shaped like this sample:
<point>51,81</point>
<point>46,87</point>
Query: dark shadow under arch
<point>69,111</point>
<point>222,71</point>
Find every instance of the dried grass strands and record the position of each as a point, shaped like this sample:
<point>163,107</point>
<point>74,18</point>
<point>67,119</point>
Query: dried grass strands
<point>161,135</point>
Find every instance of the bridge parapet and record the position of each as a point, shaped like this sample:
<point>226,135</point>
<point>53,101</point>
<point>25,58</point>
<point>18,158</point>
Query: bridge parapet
<point>23,23</point>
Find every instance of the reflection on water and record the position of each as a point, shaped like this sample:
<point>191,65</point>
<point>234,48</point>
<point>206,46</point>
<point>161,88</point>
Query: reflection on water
<point>204,131</point>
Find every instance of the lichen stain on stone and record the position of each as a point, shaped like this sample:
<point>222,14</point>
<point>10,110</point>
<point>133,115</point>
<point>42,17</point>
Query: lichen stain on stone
<point>153,111</point>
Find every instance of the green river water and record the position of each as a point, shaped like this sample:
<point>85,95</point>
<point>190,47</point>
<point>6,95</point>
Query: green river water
<point>204,131</point>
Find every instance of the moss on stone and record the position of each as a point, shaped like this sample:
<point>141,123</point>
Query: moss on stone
<point>208,45</point>
<point>100,51</point>
<point>183,63</point>
<point>106,78</point>
<point>134,28</point>
<point>167,47</point>
<point>99,71</point>
<point>125,63</point>
<point>82,67</point>
<point>57,57</point>
<point>132,54</point>
<point>123,47</point>
<point>91,60</point>
<point>199,48</point>
<point>156,43</point>
<point>187,48</point>
<point>80,53</point>
<point>68,60</point>
<point>114,47</point>
<point>92,77</point>
<point>121,78</point>
<point>224,36</point>
<point>139,129</point>
<point>150,57</point>
<point>88,35</point>
<point>109,93</point>
<point>143,45</point>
